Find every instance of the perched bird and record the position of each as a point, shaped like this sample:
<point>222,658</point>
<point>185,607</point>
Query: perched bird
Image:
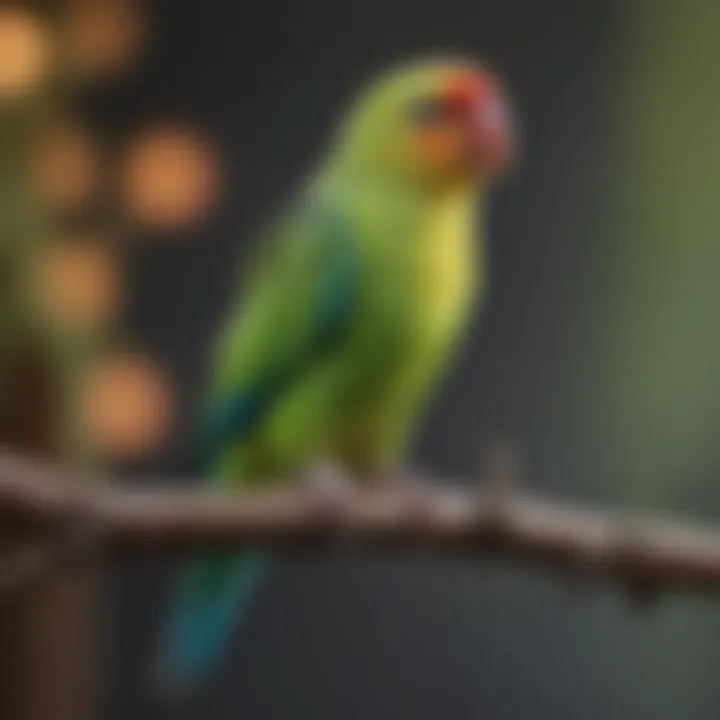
<point>360,294</point>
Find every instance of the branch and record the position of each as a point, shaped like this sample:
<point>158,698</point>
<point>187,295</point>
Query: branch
<point>645,555</point>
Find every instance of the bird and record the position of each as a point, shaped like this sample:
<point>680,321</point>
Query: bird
<point>360,293</point>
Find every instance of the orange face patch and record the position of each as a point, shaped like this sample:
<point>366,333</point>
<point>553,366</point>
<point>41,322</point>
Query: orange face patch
<point>441,146</point>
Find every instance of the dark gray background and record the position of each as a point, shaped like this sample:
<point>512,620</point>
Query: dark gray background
<point>343,637</point>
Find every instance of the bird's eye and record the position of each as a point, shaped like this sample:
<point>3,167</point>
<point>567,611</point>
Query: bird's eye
<point>427,111</point>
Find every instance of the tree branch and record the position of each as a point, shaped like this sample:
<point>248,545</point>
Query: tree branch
<point>645,555</point>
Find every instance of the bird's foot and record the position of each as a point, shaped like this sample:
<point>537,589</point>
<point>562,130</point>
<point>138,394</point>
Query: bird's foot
<point>329,483</point>
<point>410,483</point>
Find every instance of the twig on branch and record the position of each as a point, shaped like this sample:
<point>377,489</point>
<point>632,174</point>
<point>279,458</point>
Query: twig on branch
<point>644,555</point>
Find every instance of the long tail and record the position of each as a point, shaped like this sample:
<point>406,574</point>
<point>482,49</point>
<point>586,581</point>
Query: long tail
<point>214,596</point>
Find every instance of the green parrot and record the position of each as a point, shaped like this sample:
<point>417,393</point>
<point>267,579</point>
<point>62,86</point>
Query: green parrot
<point>359,295</point>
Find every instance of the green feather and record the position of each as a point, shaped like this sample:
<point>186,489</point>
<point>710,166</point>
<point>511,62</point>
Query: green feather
<point>342,331</point>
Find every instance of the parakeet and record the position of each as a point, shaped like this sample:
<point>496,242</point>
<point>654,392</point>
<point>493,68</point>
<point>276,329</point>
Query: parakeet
<point>360,294</point>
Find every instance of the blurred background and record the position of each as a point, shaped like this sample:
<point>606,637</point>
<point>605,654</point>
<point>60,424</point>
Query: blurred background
<point>141,146</point>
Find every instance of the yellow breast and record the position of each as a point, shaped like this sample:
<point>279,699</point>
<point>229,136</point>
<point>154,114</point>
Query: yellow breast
<point>446,263</point>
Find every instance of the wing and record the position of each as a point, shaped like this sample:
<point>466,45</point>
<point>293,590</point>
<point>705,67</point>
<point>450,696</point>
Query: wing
<point>296,309</point>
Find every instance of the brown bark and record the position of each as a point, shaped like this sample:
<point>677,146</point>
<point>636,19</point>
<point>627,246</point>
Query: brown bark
<point>49,633</point>
<point>644,555</point>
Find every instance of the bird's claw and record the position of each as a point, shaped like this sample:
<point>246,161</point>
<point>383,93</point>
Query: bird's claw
<point>329,483</point>
<point>413,485</point>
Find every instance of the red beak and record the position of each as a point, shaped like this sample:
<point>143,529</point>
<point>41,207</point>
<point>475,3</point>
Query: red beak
<point>478,100</point>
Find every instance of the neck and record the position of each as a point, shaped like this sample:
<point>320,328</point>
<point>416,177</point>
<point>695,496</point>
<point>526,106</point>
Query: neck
<point>348,173</point>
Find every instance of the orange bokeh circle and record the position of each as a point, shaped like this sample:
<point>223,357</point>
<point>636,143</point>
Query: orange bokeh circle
<point>169,178</point>
<point>77,283</point>
<point>66,166</point>
<point>24,52</point>
<point>103,37</point>
<point>127,405</point>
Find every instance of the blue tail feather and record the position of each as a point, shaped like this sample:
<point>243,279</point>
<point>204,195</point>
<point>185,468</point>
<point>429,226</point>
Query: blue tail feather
<point>213,599</point>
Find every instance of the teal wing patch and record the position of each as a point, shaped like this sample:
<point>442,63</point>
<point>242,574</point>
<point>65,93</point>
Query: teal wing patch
<point>231,417</point>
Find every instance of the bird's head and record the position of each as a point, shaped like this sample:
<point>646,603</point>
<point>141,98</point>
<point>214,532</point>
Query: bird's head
<point>436,122</point>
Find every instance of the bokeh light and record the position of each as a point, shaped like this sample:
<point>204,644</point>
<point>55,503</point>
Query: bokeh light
<point>66,166</point>
<point>103,37</point>
<point>169,178</point>
<point>77,283</point>
<point>24,52</point>
<point>127,405</point>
